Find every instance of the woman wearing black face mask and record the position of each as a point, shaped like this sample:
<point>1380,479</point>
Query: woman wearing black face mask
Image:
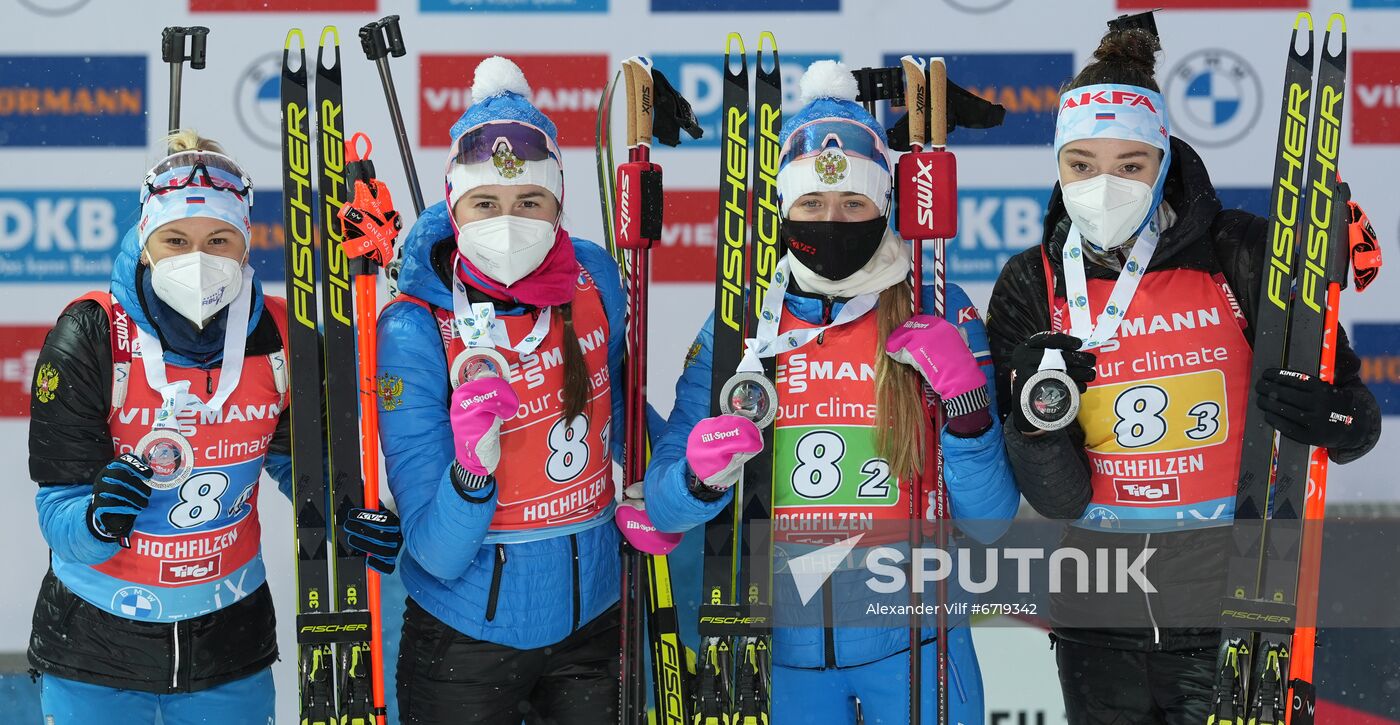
<point>847,439</point>
<point>1134,230</point>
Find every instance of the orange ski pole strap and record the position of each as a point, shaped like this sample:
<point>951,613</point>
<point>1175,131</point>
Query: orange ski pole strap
<point>1364,248</point>
<point>370,221</point>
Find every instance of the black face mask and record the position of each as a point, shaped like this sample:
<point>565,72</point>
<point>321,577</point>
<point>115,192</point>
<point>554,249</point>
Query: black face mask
<point>834,250</point>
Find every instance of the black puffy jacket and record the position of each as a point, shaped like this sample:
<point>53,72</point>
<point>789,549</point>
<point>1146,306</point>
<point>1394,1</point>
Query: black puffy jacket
<point>1053,469</point>
<point>69,442</point>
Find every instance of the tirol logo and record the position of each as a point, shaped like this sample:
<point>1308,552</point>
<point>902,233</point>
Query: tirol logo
<point>1376,93</point>
<point>1148,491</point>
<point>283,6</point>
<point>59,100</point>
<point>19,351</point>
<point>1026,84</point>
<point>257,101</point>
<point>566,88</point>
<point>513,6</point>
<point>700,78</point>
<point>61,236</point>
<point>54,8</point>
<point>1215,97</point>
<point>189,571</point>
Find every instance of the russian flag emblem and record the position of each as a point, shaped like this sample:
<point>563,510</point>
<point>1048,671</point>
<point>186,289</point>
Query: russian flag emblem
<point>1109,116</point>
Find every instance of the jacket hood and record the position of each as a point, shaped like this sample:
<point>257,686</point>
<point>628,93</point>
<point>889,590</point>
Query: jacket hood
<point>124,288</point>
<point>1188,191</point>
<point>417,276</point>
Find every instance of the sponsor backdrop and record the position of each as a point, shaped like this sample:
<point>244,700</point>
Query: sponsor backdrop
<point>83,96</point>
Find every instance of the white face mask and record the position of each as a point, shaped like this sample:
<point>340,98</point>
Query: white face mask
<point>1107,209</point>
<point>506,248</point>
<point>197,285</point>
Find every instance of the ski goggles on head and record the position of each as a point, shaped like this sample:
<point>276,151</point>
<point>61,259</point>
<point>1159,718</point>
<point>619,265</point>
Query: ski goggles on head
<point>503,142</point>
<point>854,139</point>
<point>197,169</point>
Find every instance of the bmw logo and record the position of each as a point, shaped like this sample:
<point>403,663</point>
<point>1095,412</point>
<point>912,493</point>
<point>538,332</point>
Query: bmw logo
<point>257,100</point>
<point>1215,97</point>
<point>137,603</point>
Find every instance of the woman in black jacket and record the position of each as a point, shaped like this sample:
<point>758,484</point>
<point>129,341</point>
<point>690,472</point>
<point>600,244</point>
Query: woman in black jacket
<point>1147,289</point>
<point>156,407</point>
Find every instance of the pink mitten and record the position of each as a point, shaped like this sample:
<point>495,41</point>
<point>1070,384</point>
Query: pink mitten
<point>935,348</point>
<point>478,407</point>
<point>636,526</point>
<point>718,447</point>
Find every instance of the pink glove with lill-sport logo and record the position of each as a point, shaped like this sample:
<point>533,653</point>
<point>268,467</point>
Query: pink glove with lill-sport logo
<point>936,348</point>
<point>478,408</point>
<point>718,447</point>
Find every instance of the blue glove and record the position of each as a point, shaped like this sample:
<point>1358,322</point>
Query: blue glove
<point>121,492</point>
<point>376,534</point>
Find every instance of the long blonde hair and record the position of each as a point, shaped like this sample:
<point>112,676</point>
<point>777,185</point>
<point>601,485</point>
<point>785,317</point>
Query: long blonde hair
<point>899,407</point>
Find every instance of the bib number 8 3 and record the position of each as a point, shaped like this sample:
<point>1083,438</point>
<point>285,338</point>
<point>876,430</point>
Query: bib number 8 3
<point>1140,422</point>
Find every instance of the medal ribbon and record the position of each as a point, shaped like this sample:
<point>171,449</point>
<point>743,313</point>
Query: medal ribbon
<point>175,397</point>
<point>476,323</point>
<point>1097,333</point>
<point>766,341</point>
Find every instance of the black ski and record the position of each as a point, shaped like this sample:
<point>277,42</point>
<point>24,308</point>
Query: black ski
<point>315,659</point>
<point>754,665</point>
<point>719,597</point>
<point>1259,612</point>
<point>354,695</point>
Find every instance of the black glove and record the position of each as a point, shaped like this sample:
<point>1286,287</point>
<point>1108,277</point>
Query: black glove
<point>1025,362</point>
<point>121,492</point>
<point>1310,411</point>
<point>672,114</point>
<point>376,534</point>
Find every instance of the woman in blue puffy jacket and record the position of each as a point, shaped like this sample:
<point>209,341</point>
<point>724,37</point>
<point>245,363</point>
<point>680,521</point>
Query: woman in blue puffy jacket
<point>500,398</point>
<point>850,420</point>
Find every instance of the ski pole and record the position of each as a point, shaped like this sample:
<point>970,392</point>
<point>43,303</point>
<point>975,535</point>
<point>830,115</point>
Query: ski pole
<point>926,179</point>
<point>371,225</point>
<point>938,141</point>
<point>638,226</point>
<point>175,51</point>
<point>381,39</point>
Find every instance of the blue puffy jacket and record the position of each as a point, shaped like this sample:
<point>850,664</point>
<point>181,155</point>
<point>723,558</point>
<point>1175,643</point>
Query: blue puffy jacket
<point>976,470</point>
<point>526,594</point>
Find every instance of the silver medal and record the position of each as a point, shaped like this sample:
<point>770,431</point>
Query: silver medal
<point>170,456</point>
<point>477,362</point>
<point>750,395</point>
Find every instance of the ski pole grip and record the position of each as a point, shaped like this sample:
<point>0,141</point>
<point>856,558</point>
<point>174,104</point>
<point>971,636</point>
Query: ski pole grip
<point>640,100</point>
<point>639,205</point>
<point>198,37</point>
<point>395,35</point>
<point>382,38</point>
<point>372,41</point>
<point>916,99</point>
<point>938,102</point>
